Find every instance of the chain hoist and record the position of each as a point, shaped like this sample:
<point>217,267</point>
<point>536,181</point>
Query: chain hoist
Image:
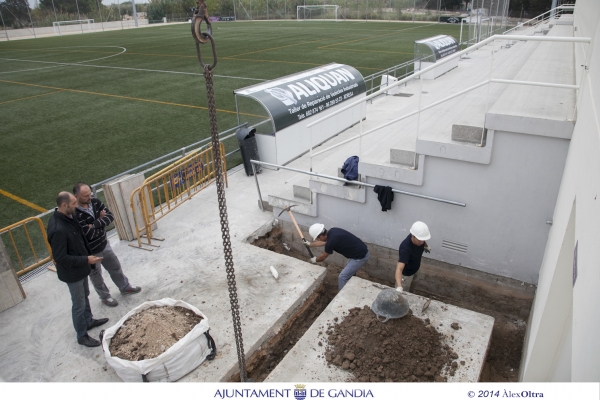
<point>200,15</point>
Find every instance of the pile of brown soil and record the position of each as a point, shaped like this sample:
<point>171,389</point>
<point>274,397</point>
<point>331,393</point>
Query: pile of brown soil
<point>504,355</point>
<point>151,332</point>
<point>407,349</point>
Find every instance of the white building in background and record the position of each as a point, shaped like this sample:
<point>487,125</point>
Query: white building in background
<point>564,327</point>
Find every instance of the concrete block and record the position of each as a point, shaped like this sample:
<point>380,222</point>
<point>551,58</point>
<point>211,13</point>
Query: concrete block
<point>279,203</point>
<point>529,125</point>
<point>302,192</point>
<point>469,134</point>
<point>306,361</point>
<point>395,173</point>
<point>403,157</point>
<point>266,205</point>
<point>455,151</point>
<point>351,192</point>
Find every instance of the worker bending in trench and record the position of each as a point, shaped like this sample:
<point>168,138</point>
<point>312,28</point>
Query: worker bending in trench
<point>410,253</point>
<point>343,242</point>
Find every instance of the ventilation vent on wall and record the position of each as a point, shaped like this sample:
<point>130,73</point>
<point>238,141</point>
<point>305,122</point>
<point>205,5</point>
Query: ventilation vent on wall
<point>450,245</point>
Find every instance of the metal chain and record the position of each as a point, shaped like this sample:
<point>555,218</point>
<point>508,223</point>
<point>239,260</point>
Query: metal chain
<point>212,113</point>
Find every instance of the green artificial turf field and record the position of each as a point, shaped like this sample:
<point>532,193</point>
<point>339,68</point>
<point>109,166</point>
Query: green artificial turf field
<point>94,105</point>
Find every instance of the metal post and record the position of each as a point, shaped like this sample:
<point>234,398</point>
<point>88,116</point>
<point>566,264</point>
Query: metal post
<point>267,10</point>
<point>361,131</point>
<point>30,20</point>
<point>135,18</point>
<point>487,96</point>
<point>367,12</point>
<point>420,95</point>
<point>260,202</point>
<point>461,28</point>
<point>120,16</point>
<point>55,18</point>
<point>414,9</point>
<point>5,31</point>
<point>234,14</point>
<point>79,15</point>
<point>100,12</point>
<point>310,137</point>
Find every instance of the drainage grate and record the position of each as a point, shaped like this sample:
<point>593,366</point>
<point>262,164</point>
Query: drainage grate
<point>42,269</point>
<point>404,94</point>
<point>456,246</point>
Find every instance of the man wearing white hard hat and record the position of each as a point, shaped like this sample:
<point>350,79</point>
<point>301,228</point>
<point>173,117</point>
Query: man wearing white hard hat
<point>410,253</point>
<point>343,242</point>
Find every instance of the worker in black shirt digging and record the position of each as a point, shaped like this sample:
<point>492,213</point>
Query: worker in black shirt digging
<point>345,243</point>
<point>411,251</point>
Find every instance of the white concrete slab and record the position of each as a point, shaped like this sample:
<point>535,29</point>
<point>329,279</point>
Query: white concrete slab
<point>540,110</point>
<point>306,361</point>
<point>38,340</point>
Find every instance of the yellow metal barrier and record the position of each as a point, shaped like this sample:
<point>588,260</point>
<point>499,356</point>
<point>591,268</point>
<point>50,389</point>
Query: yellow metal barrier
<point>169,188</point>
<point>33,260</point>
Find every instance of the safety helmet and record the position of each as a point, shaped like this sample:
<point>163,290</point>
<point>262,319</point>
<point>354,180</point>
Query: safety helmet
<point>420,231</point>
<point>315,230</point>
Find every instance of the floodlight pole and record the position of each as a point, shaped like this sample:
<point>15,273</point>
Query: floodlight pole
<point>100,12</point>
<point>135,18</point>
<point>120,16</point>
<point>79,15</point>
<point>5,31</point>
<point>30,20</point>
<point>367,12</point>
<point>414,9</point>
<point>267,10</point>
<point>54,8</point>
<point>234,14</point>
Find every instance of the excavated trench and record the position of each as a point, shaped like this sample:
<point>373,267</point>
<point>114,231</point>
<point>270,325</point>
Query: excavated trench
<point>504,355</point>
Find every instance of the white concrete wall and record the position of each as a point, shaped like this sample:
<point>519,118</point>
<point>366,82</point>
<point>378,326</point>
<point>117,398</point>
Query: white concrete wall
<point>70,29</point>
<point>503,224</point>
<point>579,195</point>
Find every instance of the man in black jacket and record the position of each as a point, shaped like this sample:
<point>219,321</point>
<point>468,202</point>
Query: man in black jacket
<point>94,217</point>
<point>74,261</point>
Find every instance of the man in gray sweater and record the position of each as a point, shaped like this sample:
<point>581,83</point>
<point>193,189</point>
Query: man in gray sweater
<point>94,217</point>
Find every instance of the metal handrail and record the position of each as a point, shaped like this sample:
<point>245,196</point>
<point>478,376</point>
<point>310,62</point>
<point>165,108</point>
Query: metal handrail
<point>335,178</point>
<point>182,151</point>
<point>387,71</point>
<point>441,62</point>
<point>522,24</point>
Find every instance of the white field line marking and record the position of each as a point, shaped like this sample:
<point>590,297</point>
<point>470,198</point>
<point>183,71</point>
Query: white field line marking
<point>123,50</point>
<point>123,68</point>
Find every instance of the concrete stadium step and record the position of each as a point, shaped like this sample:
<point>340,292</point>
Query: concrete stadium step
<point>395,172</point>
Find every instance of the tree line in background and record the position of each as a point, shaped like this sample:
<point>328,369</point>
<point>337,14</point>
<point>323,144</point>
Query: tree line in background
<point>16,13</point>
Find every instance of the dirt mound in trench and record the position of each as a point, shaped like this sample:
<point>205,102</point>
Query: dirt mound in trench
<point>407,349</point>
<point>151,332</point>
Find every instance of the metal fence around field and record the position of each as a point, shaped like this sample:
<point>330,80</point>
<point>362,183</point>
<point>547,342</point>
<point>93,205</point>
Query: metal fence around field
<point>170,187</point>
<point>26,244</point>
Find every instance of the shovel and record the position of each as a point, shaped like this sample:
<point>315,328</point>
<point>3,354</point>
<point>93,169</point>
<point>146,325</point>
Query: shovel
<point>296,225</point>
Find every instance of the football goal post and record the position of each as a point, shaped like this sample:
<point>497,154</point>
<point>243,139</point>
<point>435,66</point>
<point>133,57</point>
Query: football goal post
<point>317,12</point>
<point>61,27</point>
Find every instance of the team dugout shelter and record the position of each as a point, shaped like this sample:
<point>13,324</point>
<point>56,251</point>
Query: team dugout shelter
<point>430,50</point>
<point>280,109</point>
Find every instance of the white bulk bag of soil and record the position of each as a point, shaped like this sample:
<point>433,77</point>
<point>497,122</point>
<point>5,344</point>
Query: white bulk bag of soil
<point>177,361</point>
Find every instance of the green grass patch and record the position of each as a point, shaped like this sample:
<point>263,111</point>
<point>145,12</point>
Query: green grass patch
<point>67,117</point>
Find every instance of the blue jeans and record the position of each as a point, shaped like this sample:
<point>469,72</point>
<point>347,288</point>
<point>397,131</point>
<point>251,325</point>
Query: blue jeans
<point>351,269</point>
<point>81,311</point>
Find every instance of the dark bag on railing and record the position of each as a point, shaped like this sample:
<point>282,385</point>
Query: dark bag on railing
<point>350,168</point>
